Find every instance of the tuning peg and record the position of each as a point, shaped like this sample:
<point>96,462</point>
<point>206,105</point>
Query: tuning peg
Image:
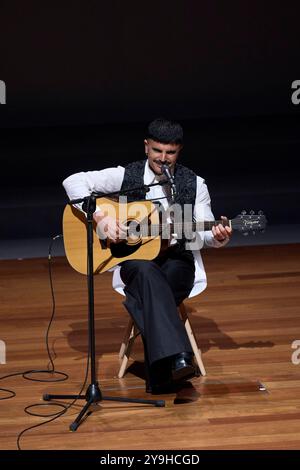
<point>252,212</point>
<point>244,212</point>
<point>260,213</point>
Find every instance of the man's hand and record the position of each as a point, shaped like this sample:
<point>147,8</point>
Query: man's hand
<point>221,233</point>
<point>108,227</point>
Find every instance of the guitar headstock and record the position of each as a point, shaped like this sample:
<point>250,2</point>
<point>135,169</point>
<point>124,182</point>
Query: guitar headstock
<point>251,222</point>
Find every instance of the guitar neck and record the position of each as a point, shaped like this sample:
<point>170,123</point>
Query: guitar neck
<point>181,227</point>
<point>199,226</point>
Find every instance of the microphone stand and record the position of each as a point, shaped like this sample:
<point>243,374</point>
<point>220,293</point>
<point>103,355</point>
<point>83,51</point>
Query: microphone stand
<point>93,393</point>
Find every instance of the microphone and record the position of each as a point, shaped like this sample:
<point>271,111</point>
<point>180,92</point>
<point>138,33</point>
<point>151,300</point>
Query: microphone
<point>170,178</point>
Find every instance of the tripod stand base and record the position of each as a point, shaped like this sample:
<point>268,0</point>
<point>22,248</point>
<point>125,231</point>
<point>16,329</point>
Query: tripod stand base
<point>94,395</point>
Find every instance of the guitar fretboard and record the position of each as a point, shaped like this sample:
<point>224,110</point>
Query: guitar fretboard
<point>148,229</point>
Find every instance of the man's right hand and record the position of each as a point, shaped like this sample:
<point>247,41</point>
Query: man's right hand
<point>108,227</point>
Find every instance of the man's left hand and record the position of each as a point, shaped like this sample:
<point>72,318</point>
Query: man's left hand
<point>221,233</point>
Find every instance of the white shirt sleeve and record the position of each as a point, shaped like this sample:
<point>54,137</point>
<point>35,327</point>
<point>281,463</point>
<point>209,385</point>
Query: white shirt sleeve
<point>203,212</point>
<point>83,184</point>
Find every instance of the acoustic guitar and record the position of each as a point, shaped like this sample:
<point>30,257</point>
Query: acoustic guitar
<point>146,233</point>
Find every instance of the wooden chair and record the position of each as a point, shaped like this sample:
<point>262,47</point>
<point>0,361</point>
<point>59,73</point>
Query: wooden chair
<point>132,332</point>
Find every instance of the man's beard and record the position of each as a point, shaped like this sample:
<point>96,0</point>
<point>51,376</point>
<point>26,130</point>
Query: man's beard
<point>159,163</point>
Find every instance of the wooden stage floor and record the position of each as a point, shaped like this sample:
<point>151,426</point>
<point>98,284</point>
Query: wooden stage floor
<point>245,323</point>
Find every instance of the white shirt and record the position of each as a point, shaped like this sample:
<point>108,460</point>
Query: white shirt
<point>109,180</point>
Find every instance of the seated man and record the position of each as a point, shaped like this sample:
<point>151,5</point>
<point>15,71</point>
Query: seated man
<point>155,288</point>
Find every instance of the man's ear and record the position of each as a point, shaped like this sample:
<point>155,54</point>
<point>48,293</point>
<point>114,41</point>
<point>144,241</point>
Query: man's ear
<point>146,146</point>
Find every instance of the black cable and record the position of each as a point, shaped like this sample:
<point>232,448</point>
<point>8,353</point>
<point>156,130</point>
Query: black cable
<point>50,370</point>
<point>55,415</point>
<point>24,374</point>
<point>58,414</point>
<point>12,393</point>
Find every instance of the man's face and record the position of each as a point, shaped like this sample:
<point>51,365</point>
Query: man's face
<point>159,153</point>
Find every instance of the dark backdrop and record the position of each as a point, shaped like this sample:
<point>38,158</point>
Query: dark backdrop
<point>83,79</point>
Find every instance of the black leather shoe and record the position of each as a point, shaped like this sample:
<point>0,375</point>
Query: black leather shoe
<point>183,367</point>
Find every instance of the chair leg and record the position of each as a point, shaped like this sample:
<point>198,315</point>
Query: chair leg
<point>128,334</point>
<point>132,332</point>
<point>126,346</point>
<point>190,333</point>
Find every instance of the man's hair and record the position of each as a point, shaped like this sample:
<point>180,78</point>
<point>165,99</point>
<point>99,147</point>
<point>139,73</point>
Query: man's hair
<point>165,131</point>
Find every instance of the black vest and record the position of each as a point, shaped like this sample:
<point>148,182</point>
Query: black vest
<point>185,182</point>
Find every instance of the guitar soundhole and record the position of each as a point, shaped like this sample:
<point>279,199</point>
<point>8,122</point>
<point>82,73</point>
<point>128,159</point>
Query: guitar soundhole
<point>131,244</point>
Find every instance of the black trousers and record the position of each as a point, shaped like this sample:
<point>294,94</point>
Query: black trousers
<point>153,290</point>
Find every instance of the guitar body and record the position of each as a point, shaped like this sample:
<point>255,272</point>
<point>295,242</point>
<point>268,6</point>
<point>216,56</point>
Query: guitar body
<point>107,254</point>
<point>141,242</point>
